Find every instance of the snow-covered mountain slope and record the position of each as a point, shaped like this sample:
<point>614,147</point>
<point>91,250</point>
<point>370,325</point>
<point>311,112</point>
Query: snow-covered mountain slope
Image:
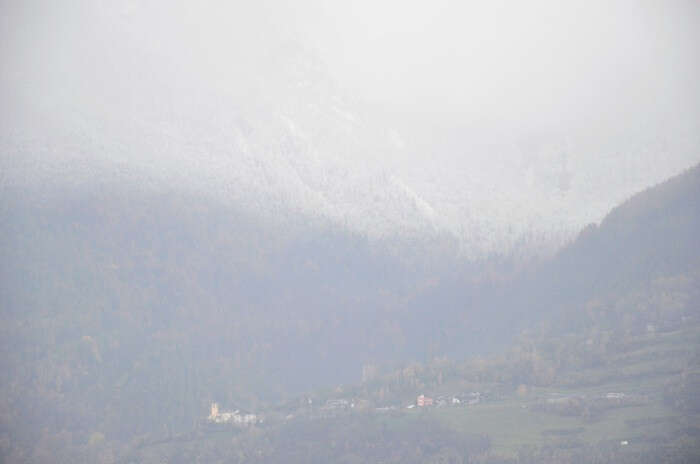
<point>499,193</point>
<point>273,134</point>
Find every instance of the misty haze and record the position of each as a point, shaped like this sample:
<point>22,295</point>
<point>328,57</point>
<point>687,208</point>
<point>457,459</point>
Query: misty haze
<point>349,232</point>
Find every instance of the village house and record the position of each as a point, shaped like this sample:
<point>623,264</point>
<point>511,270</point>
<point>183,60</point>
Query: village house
<point>231,417</point>
<point>423,401</point>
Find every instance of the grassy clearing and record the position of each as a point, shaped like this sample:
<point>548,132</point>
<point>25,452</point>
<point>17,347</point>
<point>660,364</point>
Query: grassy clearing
<point>642,368</point>
<point>512,424</point>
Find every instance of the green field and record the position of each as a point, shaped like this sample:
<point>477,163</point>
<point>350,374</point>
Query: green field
<point>512,425</point>
<point>644,369</point>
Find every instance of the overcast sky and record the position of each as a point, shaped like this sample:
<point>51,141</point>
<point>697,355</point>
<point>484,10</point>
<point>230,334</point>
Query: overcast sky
<point>515,61</point>
<point>537,62</point>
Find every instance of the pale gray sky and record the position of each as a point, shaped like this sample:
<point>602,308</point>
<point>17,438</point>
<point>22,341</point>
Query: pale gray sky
<point>537,62</point>
<point>512,62</point>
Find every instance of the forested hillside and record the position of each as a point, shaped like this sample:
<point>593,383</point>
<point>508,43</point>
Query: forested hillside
<point>115,295</point>
<point>118,297</point>
<point>610,374</point>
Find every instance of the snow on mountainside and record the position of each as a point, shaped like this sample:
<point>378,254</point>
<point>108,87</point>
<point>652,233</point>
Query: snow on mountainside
<point>497,194</point>
<point>274,134</point>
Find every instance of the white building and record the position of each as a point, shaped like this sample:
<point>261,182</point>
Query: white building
<point>231,417</point>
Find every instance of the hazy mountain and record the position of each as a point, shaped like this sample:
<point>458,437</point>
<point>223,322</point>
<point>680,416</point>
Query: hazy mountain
<point>649,236</point>
<point>250,117</point>
<point>192,209</point>
<point>113,296</point>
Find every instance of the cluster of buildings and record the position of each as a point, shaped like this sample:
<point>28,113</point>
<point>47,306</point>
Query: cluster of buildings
<point>457,400</point>
<point>231,417</point>
<point>339,406</point>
